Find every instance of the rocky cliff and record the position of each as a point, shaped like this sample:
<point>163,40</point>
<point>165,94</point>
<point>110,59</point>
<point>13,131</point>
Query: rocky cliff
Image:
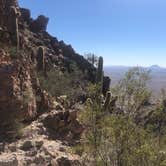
<point>26,48</point>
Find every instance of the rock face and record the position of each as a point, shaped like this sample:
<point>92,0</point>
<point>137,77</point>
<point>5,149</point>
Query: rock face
<point>19,88</point>
<point>40,24</point>
<point>11,96</point>
<point>26,49</point>
<point>25,15</point>
<point>21,97</point>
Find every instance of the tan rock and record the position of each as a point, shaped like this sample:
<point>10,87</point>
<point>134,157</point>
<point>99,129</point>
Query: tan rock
<point>54,162</point>
<point>8,160</point>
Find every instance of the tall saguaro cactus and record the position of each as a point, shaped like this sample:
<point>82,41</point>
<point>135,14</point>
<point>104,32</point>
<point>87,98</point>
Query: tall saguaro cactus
<point>13,25</point>
<point>9,14</point>
<point>100,73</point>
<point>41,58</point>
<point>107,100</point>
<point>110,102</point>
<point>99,76</point>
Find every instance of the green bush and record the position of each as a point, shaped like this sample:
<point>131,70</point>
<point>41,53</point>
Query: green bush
<point>132,91</point>
<point>12,130</point>
<point>115,139</point>
<point>58,83</point>
<point>13,52</point>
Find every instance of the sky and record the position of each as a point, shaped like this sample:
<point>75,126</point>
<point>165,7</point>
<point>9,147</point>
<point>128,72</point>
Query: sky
<point>124,32</point>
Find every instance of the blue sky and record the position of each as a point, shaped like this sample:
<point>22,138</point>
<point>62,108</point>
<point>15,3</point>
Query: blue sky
<point>124,32</point>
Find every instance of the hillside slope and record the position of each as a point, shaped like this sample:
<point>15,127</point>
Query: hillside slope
<point>26,51</point>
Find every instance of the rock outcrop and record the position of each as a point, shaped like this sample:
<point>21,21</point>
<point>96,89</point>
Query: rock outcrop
<point>30,47</point>
<point>37,147</point>
<point>30,50</point>
<point>15,84</point>
<point>26,49</point>
<point>40,24</point>
<point>19,89</point>
<point>25,15</point>
<point>64,125</point>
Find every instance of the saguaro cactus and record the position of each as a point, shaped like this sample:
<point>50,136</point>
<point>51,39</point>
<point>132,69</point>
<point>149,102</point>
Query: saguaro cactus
<point>41,58</point>
<point>106,85</point>
<point>107,101</point>
<point>99,76</point>
<point>110,102</point>
<point>9,13</point>
<point>13,25</point>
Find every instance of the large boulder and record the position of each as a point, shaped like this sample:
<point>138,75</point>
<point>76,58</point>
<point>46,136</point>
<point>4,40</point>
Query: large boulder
<point>63,124</point>
<point>25,15</point>
<point>40,24</point>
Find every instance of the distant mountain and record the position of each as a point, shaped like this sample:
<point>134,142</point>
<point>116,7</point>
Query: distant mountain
<point>157,68</point>
<point>157,74</point>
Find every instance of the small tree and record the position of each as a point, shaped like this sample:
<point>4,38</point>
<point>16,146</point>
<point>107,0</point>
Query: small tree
<point>157,119</point>
<point>92,58</point>
<point>132,90</point>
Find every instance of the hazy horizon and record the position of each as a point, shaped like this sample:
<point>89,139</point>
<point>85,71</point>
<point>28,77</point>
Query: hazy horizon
<point>155,84</point>
<point>135,66</point>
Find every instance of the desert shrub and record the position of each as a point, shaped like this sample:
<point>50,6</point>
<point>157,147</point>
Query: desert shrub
<point>27,96</point>
<point>132,91</point>
<point>58,83</point>
<point>115,139</point>
<point>156,121</point>
<point>13,129</point>
<point>13,51</point>
<point>16,129</point>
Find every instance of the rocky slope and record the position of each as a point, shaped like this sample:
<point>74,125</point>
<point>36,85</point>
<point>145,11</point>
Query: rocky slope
<point>45,141</point>
<point>26,48</point>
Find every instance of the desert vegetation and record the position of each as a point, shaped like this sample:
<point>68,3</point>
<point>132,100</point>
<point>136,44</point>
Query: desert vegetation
<point>57,107</point>
<point>128,133</point>
<point>59,83</point>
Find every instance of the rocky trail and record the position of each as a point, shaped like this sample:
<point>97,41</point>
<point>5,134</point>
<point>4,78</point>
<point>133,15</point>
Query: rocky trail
<point>38,147</point>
